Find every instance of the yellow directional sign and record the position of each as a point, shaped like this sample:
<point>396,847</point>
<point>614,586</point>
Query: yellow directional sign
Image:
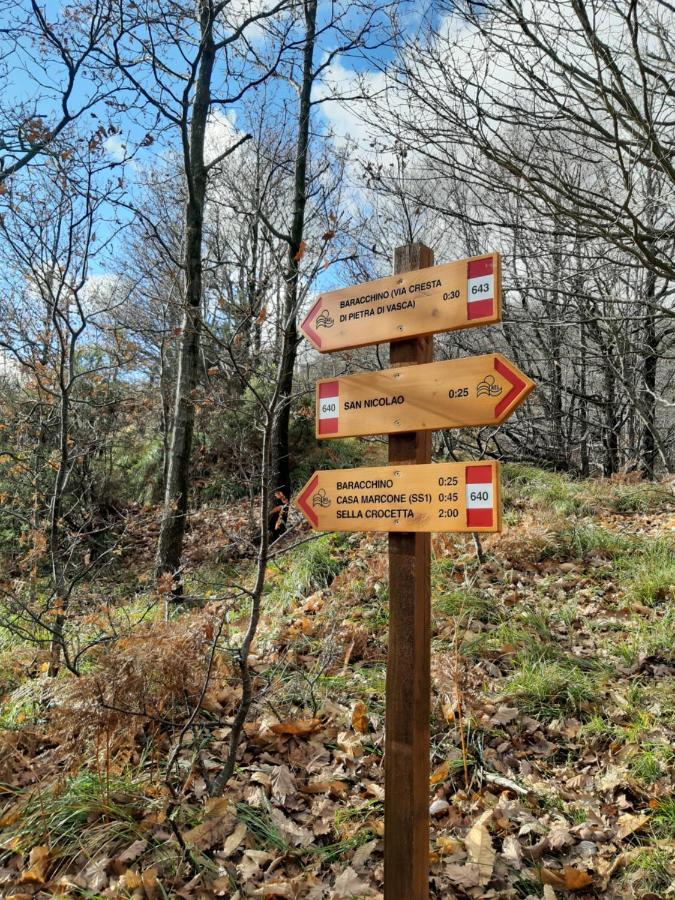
<point>440,298</point>
<point>456,393</point>
<point>454,497</point>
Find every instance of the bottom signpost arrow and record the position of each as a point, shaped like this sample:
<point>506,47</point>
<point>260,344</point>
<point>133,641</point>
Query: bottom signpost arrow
<point>453,497</point>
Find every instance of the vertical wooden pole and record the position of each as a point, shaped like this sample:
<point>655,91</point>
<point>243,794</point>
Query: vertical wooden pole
<point>408,695</point>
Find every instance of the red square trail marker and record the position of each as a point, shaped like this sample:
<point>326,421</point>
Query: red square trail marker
<point>327,408</point>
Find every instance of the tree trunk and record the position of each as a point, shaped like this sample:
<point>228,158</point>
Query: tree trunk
<point>281,464</point>
<point>610,438</point>
<point>172,531</point>
<point>56,549</point>
<point>650,351</point>
<point>585,467</point>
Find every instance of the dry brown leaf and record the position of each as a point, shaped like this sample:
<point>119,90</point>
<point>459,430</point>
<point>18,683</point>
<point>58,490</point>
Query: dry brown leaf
<point>217,824</point>
<point>350,744</point>
<point>301,252</point>
<point>628,824</point>
<point>251,861</point>
<point>555,879</point>
<point>283,783</point>
<point>276,890</point>
<point>132,852</point>
<point>479,844</point>
<point>448,845</point>
<point>38,862</point>
<point>363,854</point>
<point>295,834</point>
<point>360,720</point>
<point>467,876</point>
<point>234,841</point>
<point>504,715</point>
<point>512,851</point>
<point>570,879</point>
<point>297,727</point>
<point>559,837</point>
<point>348,885</point>
<point>150,883</point>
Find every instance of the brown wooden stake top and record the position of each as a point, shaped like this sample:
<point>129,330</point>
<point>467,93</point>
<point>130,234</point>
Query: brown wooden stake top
<point>408,691</point>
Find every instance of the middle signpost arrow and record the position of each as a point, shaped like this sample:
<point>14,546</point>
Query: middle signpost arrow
<point>455,393</point>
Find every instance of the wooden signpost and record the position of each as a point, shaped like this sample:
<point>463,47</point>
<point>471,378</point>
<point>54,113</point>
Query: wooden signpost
<point>455,393</point>
<point>454,497</point>
<point>411,497</point>
<point>408,304</point>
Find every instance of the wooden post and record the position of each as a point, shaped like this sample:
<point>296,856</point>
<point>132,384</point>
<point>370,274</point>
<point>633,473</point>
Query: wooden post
<point>408,695</point>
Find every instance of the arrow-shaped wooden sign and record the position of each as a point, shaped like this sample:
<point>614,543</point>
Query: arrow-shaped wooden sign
<point>456,393</point>
<point>456,295</point>
<point>453,497</point>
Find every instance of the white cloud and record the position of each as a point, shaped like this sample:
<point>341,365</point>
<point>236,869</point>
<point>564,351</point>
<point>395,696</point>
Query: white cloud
<point>221,133</point>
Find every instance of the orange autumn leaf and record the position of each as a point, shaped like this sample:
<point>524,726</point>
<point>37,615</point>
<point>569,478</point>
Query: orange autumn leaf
<point>360,720</point>
<point>570,879</point>
<point>440,774</point>
<point>38,862</point>
<point>301,252</point>
<point>576,879</point>
<point>297,727</point>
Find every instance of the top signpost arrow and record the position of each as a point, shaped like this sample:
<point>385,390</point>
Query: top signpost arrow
<point>456,295</point>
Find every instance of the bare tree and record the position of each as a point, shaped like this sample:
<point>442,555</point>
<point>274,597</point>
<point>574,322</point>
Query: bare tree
<point>48,75</point>
<point>209,38</point>
<point>64,377</point>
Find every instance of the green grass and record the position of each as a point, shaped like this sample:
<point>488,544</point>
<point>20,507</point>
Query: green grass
<point>549,690</point>
<point>653,865</point>
<point>268,836</point>
<point>467,603</point>
<point>567,496</point>
<point>651,762</point>
<point>86,813</point>
<point>547,490</point>
<point>258,822</point>
<point>24,706</point>
<point>653,639</point>
<point>313,565</point>
<point>649,574</point>
<point>663,820</point>
<point>505,639</point>
<point>584,539</point>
